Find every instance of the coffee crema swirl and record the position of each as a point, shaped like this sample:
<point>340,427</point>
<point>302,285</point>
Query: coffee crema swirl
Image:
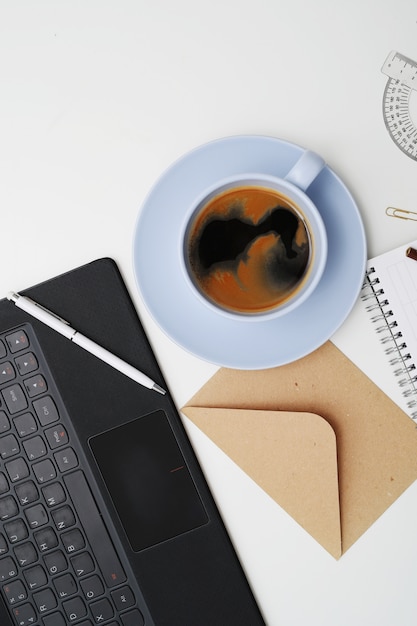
<point>248,249</point>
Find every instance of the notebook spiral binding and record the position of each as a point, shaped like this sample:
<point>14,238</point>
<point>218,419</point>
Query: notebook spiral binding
<point>391,337</point>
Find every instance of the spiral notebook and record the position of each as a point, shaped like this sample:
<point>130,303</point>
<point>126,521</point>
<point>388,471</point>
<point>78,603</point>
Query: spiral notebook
<point>390,299</point>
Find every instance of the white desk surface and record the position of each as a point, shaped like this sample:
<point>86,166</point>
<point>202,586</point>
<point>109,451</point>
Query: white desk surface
<point>98,97</point>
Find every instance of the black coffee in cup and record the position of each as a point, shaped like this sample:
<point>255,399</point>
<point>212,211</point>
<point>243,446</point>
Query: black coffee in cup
<point>248,249</point>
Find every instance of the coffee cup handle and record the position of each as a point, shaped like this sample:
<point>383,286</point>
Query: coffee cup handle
<point>307,168</point>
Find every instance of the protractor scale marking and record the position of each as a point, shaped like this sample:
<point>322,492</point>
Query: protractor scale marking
<point>402,73</point>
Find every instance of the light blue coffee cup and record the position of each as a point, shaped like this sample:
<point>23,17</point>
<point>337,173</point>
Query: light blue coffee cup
<point>292,187</point>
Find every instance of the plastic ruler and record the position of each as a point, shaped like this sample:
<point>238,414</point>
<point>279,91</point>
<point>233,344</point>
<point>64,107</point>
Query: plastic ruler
<point>402,81</point>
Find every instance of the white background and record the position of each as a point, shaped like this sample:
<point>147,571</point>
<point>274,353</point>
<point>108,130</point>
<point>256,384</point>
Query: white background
<point>98,97</point>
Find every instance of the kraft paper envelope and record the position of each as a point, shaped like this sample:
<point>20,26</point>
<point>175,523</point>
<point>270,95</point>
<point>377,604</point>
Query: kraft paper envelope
<point>318,436</point>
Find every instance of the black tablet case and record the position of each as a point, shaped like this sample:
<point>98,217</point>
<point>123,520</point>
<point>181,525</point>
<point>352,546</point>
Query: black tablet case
<point>196,578</point>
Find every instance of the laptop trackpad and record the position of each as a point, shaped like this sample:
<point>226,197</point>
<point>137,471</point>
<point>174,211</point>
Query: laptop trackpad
<point>148,480</point>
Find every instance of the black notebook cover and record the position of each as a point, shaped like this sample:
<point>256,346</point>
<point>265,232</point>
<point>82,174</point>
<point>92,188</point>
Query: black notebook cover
<point>194,579</point>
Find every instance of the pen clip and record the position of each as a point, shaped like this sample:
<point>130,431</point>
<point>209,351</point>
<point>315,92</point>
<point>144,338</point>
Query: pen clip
<point>51,313</point>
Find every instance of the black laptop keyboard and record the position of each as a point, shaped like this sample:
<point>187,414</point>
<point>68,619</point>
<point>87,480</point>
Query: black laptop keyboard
<point>58,564</point>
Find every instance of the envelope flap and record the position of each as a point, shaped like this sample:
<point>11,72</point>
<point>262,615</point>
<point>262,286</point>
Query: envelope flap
<point>376,441</point>
<point>291,455</point>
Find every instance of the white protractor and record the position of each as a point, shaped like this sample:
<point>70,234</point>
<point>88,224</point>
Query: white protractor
<point>402,73</point>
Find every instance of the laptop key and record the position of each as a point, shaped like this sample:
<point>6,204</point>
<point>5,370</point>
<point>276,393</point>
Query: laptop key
<point>35,448</point>
<point>8,569</point>
<point>74,609</point>
<point>26,554</point>
<point>133,618</point>
<point>35,577</point>
<point>82,564</point>
<point>14,398</point>
<point>123,598</point>
<point>9,446</point>
<point>92,587</point>
<point>15,592</point>
<point>25,615</point>
<point>17,341</point>
<point>17,469</point>
<point>6,372</point>
<point>46,411</point>
<point>101,611</point>
<point>73,541</point>
<point>16,530</point>
<point>44,471</point>
<point>66,459</point>
<point>4,422</point>
<point>65,586</point>
<point>46,539</point>
<point>54,619</point>
<point>26,363</point>
<point>3,545</point>
<point>55,562</point>
<point>35,385</point>
<point>36,516</point>
<point>27,492</point>
<point>63,518</point>
<point>8,507</point>
<point>53,494</point>
<point>25,424</point>
<point>45,600</point>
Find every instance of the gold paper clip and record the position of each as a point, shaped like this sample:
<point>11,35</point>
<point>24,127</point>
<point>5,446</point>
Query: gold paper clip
<point>401,213</point>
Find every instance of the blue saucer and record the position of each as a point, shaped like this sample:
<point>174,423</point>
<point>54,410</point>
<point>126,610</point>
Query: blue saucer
<point>212,336</point>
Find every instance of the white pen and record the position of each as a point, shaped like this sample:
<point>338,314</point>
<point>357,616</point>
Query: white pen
<point>61,326</point>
